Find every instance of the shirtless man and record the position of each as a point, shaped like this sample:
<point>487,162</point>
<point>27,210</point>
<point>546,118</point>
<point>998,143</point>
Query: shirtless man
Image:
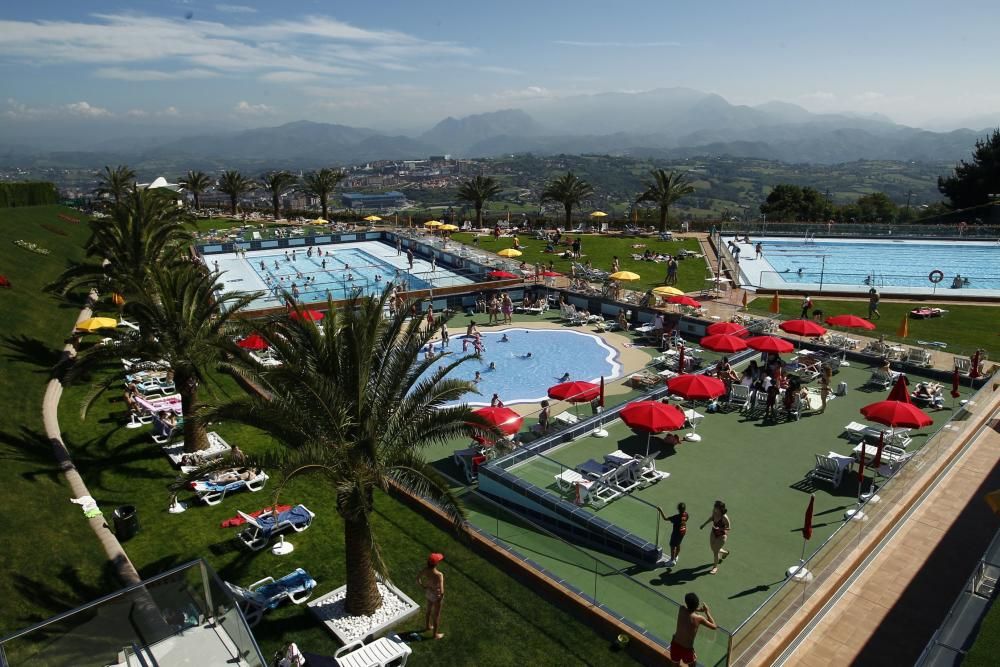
<point>690,617</point>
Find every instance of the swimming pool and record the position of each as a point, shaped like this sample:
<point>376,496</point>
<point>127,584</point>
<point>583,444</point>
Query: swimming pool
<point>522,379</point>
<point>858,264</point>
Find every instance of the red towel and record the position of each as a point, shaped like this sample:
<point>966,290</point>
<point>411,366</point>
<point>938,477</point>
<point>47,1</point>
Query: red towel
<point>4,282</point>
<point>239,521</point>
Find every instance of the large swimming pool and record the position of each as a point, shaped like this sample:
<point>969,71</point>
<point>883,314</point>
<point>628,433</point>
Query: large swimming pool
<point>858,264</point>
<point>518,378</point>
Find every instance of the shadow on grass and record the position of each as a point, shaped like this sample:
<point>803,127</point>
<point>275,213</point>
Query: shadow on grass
<point>55,599</point>
<point>32,351</point>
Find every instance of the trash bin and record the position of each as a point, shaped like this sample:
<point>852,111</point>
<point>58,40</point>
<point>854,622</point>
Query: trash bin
<point>126,522</point>
<point>841,389</point>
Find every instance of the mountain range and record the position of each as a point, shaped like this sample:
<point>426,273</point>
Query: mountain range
<point>664,123</point>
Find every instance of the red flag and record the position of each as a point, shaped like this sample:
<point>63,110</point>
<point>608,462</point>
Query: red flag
<point>878,452</point>
<point>955,380</point>
<point>807,525</point>
<point>601,399</point>
<point>974,366</point>
<point>861,463</point>
<point>680,358</point>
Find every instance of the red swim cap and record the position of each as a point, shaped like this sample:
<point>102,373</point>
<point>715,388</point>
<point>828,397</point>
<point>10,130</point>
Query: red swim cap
<point>434,559</point>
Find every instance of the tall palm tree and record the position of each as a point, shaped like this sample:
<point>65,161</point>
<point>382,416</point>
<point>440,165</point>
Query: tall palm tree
<point>665,189</point>
<point>277,182</point>
<point>234,184</point>
<point>477,191</point>
<point>115,182</point>
<point>569,191</point>
<point>321,184</point>
<point>146,229</point>
<point>183,320</point>
<point>196,182</point>
<point>354,409</point>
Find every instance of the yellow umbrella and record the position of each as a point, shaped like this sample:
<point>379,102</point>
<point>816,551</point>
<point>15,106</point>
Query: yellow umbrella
<point>448,228</point>
<point>373,218</point>
<point>320,221</point>
<point>95,323</point>
<point>598,214</point>
<point>432,223</point>
<point>509,252</point>
<point>624,275</point>
<point>667,290</point>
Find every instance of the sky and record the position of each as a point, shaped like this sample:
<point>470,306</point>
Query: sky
<point>404,65</point>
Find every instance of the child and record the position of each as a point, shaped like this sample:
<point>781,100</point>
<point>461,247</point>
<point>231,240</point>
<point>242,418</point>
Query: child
<point>432,581</point>
<point>677,533</point>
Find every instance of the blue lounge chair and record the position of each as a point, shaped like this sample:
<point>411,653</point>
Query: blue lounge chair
<point>266,594</point>
<point>213,492</point>
<point>260,530</point>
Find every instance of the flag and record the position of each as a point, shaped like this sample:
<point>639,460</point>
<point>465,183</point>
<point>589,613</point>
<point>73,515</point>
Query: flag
<point>878,452</point>
<point>861,465</point>
<point>807,525</point>
<point>601,399</point>
<point>904,327</point>
<point>775,304</point>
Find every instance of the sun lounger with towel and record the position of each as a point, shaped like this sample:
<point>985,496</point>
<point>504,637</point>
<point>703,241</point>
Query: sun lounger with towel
<point>216,447</point>
<point>260,530</point>
<point>212,491</point>
<point>268,593</point>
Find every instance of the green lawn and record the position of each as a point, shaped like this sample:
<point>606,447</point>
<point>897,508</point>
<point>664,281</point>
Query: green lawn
<point>964,327</point>
<point>986,648</point>
<point>50,558</point>
<point>600,250</point>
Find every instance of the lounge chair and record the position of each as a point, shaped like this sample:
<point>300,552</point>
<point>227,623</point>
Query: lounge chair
<point>605,486</point>
<point>259,531</point>
<point>266,594</point>
<point>897,437</point>
<point>213,492</point>
<point>918,356</point>
<point>739,396</point>
<point>622,476</point>
<point>645,466</point>
<point>216,447</point>
<point>963,365</point>
<point>830,468</point>
<point>882,379</point>
<point>388,651</point>
<point>644,380</point>
<point>570,480</point>
<point>892,456</point>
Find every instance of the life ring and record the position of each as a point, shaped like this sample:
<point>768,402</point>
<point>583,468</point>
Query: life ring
<point>935,276</point>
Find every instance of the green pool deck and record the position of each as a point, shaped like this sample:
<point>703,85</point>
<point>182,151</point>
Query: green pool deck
<point>759,469</point>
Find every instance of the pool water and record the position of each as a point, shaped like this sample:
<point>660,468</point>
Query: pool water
<point>871,262</point>
<point>522,379</point>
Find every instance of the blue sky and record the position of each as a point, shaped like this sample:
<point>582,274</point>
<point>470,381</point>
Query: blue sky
<point>402,65</point>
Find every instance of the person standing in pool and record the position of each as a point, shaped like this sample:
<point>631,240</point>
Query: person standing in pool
<point>444,335</point>
<point>409,257</point>
<point>760,250</point>
<point>873,299</point>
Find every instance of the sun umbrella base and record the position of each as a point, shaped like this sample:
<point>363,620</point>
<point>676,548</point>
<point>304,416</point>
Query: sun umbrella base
<point>692,437</point>
<point>799,573</point>
<point>177,507</point>
<point>871,498</point>
<point>600,433</point>
<point>855,515</point>
<point>134,425</point>
<point>282,548</point>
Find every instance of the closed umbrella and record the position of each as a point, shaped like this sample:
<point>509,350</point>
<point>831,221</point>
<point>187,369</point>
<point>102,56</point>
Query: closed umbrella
<point>770,344</point>
<point>684,300</point>
<point>96,323</point>
<point>900,392</point>
<point>726,328</point>
<point>956,379</point>
<point>904,327</point>
<point>651,417</point>
<point>500,275</point>
<point>974,365</point>
<point>799,572</point>
<point>802,328</point>
<point>253,342</point>
<point>505,419</point>
<point>723,343</point>
<point>850,322</point>
<point>312,315</point>
<point>775,304</point>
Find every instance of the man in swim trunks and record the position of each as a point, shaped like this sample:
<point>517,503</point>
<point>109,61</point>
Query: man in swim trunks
<point>690,617</point>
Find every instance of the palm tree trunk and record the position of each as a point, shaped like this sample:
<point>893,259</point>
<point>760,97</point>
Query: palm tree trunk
<point>232,203</point>
<point>274,201</point>
<point>479,215</point>
<point>322,204</point>
<point>197,202</point>
<point>195,435</point>
<point>569,216</point>
<point>362,594</point>
<point>663,218</point>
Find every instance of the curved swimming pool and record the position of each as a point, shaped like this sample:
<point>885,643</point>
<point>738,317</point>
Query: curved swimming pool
<point>518,378</point>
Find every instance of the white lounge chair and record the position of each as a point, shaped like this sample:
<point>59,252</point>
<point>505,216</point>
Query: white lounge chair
<point>918,356</point>
<point>388,651</point>
<point>645,468</point>
<point>880,378</point>
<point>213,492</point>
<point>216,447</point>
<point>266,594</point>
<point>963,365</point>
<point>739,396</point>
<point>570,480</point>
<point>830,468</point>
<point>898,437</point>
<point>260,530</point>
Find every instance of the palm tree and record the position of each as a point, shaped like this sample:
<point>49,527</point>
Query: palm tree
<point>234,184</point>
<point>183,320</point>
<point>196,182</point>
<point>569,191</point>
<point>115,182</point>
<point>146,229</point>
<point>478,191</point>
<point>352,407</point>
<point>277,182</point>
<point>320,184</point>
<point>664,190</point>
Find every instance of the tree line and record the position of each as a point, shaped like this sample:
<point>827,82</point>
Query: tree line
<point>28,193</point>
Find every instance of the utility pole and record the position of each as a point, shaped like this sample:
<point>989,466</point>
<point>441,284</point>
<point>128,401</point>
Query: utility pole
<point>908,195</point>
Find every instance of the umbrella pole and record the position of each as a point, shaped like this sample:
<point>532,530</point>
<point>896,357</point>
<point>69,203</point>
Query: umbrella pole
<point>798,572</point>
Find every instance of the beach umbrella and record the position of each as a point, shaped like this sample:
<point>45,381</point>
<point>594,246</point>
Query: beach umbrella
<point>575,391</point>
<point>850,322</point>
<point>900,392</point>
<point>723,343</point>
<point>956,379</point>
<point>896,414</point>
<point>500,275</point>
<point>799,572</point>
<point>448,228</point>
<point>651,417</point>
<point>600,398</point>
<point>253,342</point>
<point>598,214</point>
<point>775,304</point>
<point>97,323</point>
<point>770,344</point>
<point>373,218</point>
<point>432,223</point>
<point>802,328</point>
<point>727,329</point>
<point>319,221</point>
<point>313,315</point>
<point>550,274</point>
<point>904,327</point>
<point>505,419</point>
<point>684,300</point>
<point>624,275</point>
<point>509,252</point>
<point>667,290</point>
<point>696,387</point>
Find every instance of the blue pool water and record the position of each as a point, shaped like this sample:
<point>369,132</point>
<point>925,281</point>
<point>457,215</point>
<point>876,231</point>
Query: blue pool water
<point>518,379</point>
<point>873,262</point>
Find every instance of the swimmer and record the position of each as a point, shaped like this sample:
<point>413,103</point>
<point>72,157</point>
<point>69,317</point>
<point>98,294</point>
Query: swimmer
<point>800,270</point>
<point>564,378</point>
<point>378,278</point>
<point>323,264</point>
<point>262,268</point>
<point>275,265</point>
<point>286,256</point>
<point>477,378</point>
<point>350,276</point>
<point>526,355</point>
<point>504,339</point>
<point>493,365</point>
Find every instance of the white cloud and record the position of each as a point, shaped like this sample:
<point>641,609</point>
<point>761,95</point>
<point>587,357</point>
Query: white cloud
<point>526,93</point>
<point>87,109</point>
<point>248,109</point>
<point>818,96</point>
<point>170,111</point>
<point>615,45</point>
<point>126,74</point>
<point>236,9</point>
<point>288,77</point>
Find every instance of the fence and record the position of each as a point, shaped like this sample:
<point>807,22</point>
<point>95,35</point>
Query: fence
<point>866,230</point>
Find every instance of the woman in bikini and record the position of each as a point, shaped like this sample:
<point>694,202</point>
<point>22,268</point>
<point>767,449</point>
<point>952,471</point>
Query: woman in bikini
<point>720,532</point>
<point>432,581</point>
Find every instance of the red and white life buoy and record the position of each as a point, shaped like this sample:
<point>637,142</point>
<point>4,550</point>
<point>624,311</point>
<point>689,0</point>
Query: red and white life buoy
<point>935,276</point>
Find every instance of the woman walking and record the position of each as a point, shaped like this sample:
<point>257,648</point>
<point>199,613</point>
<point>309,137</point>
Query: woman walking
<point>720,532</point>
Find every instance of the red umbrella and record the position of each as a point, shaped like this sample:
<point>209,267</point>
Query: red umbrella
<point>850,322</point>
<point>574,392</point>
<point>726,328</point>
<point>253,342</point>
<point>500,275</point>
<point>696,387</point>
<point>807,525</point>
<point>770,344</point>
<point>723,343</point>
<point>550,274</point>
<point>900,392</point>
<point>652,416</point>
<point>974,365</point>
<point>955,380</point>
<point>313,315</point>
<point>896,414</point>
<point>684,300</point>
<point>802,328</point>
<point>505,419</point>
<point>601,398</point>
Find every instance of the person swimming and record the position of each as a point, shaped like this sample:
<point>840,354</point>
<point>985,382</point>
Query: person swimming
<point>477,378</point>
<point>564,378</point>
<point>493,365</point>
<point>504,339</point>
<point>526,355</point>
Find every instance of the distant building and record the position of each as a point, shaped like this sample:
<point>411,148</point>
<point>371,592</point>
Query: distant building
<point>439,158</point>
<point>377,201</point>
